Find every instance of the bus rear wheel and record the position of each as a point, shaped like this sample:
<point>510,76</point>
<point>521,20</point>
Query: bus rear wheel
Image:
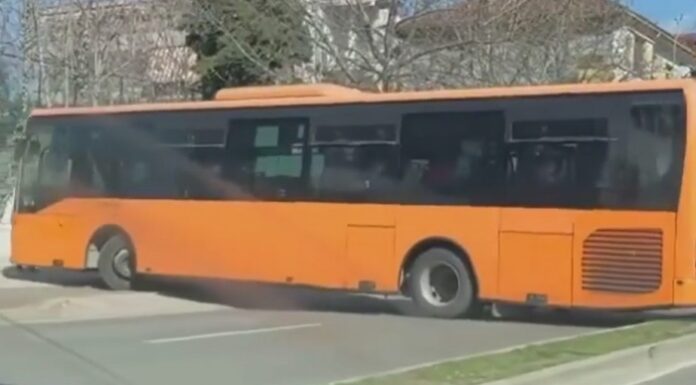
<point>441,285</point>
<point>116,263</point>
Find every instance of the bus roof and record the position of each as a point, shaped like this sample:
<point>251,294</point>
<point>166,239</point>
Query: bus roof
<point>327,94</point>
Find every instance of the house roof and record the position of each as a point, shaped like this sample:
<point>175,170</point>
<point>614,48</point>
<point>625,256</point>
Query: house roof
<point>521,17</point>
<point>662,34</point>
<point>688,39</point>
<point>517,16</point>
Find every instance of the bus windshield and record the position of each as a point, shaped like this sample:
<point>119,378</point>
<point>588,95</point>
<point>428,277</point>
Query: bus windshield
<point>45,167</point>
<point>116,157</point>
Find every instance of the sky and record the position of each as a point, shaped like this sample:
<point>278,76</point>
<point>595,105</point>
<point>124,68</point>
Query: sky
<point>667,13</point>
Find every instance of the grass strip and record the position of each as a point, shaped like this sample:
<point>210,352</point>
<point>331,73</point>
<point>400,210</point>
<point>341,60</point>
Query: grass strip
<point>487,368</point>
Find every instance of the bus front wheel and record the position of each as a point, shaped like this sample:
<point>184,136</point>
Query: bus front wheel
<point>441,285</point>
<point>116,267</point>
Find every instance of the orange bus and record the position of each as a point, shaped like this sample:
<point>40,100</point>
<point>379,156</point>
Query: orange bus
<point>559,196</point>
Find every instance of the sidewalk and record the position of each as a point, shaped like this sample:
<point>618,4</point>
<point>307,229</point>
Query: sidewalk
<point>5,244</point>
<point>84,305</point>
<point>6,231</point>
<point>12,298</point>
<point>64,296</point>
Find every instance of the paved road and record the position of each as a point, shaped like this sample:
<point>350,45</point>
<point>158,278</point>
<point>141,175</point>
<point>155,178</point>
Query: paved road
<point>681,377</point>
<point>250,346</point>
<point>229,334</point>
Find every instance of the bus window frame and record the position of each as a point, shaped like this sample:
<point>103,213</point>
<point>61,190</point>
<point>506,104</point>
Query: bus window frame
<point>394,112</point>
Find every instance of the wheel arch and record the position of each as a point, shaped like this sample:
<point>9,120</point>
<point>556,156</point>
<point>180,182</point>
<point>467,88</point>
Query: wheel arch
<point>436,242</point>
<point>99,237</point>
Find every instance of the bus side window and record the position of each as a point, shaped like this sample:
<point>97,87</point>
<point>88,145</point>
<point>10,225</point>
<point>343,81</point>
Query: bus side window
<point>456,155</point>
<point>559,161</point>
<point>146,178</point>
<point>354,163</point>
<point>265,157</point>
<point>202,177</point>
<point>543,174</point>
<point>654,151</point>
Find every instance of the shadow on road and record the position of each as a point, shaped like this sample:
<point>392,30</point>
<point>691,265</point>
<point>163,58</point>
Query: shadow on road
<point>282,298</point>
<point>270,297</point>
<point>61,277</point>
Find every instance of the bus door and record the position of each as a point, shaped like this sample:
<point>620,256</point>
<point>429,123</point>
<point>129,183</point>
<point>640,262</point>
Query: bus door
<point>536,241</point>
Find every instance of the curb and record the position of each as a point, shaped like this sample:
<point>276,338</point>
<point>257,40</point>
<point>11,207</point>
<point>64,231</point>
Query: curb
<point>404,369</point>
<point>625,367</point>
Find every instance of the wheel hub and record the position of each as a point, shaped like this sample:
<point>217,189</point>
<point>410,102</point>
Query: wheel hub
<point>122,263</point>
<point>440,284</point>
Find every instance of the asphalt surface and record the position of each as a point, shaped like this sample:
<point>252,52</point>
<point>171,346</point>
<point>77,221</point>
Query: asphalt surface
<point>682,377</point>
<point>253,335</point>
<point>248,347</point>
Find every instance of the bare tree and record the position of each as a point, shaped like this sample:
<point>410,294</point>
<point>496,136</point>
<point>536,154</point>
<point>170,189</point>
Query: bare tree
<point>113,51</point>
<point>12,110</point>
<point>360,43</point>
<point>10,36</point>
<point>447,43</point>
<point>380,45</point>
<point>536,41</point>
<point>7,13</point>
<point>104,52</point>
<point>387,45</point>
<point>354,42</point>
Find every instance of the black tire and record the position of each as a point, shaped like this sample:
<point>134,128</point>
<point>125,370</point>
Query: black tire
<point>110,259</point>
<point>442,267</point>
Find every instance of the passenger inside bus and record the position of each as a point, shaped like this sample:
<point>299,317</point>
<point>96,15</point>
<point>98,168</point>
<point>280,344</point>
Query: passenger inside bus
<point>451,173</point>
<point>541,174</point>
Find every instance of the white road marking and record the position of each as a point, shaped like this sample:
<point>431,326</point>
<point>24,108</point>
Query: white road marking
<point>231,333</point>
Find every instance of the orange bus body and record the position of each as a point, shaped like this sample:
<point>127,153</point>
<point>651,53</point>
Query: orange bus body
<point>515,253</point>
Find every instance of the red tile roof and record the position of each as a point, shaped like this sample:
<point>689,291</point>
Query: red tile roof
<point>688,39</point>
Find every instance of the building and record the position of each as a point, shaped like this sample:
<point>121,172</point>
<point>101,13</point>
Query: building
<point>688,39</point>
<point>653,52</point>
<point>339,30</point>
<point>543,41</point>
<point>84,52</point>
<point>87,52</point>
<point>90,52</point>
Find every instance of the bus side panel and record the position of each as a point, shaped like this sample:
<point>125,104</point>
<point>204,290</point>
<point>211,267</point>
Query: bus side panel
<point>188,238</point>
<point>39,239</point>
<point>296,243</point>
<point>162,233</point>
<point>536,253</point>
<point>473,229</point>
<point>255,241</point>
<point>347,246</point>
<point>685,256</point>
<point>623,259</point>
<point>59,234</point>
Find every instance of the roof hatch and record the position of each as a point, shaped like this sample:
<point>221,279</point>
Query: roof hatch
<point>285,91</point>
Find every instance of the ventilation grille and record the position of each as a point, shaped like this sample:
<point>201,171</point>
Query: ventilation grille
<point>622,261</point>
